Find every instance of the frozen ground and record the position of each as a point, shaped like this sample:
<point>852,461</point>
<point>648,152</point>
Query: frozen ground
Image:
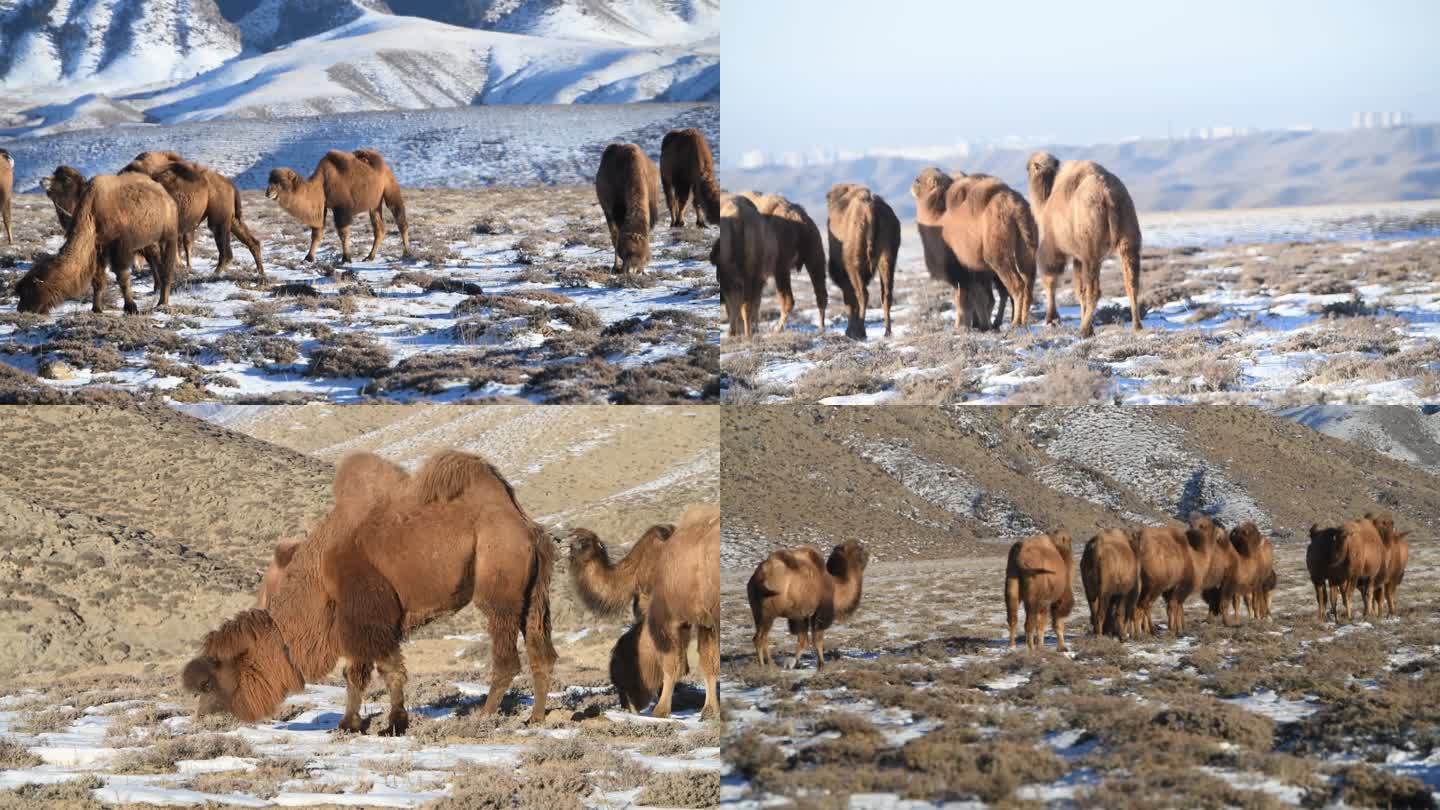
<point>922,702</point>
<point>1289,323</point>
<point>509,294</point>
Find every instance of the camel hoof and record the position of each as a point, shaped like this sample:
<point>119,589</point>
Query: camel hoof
<point>132,309</point>
<point>351,726</point>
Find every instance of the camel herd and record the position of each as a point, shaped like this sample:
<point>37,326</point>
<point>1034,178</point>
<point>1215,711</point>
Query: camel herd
<point>397,551</point>
<point>978,235</point>
<point>151,207</point>
<point>1125,571</point>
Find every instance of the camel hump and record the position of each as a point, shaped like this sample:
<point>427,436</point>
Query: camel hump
<point>371,157</point>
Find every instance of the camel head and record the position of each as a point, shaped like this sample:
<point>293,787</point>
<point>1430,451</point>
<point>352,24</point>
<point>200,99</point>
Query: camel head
<point>274,575</point>
<point>5,156</point>
<point>282,181</point>
<point>1203,532</point>
<point>243,669</point>
<point>634,252</point>
<point>931,184</point>
<point>848,559</point>
<point>1245,537</point>
<point>586,548</point>
<point>38,291</point>
<point>1384,525</point>
<point>1041,168</point>
<point>64,187</point>
<point>635,669</point>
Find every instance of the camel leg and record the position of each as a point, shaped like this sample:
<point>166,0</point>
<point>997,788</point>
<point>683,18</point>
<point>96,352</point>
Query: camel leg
<point>1033,623</point>
<point>221,232</point>
<point>962,300</point>
<point>785,294</point>
<point>817,638</point>
<point>762,642</point>
<point>1130,260</point>
<point>542,657</point>
<point>752,307</point>
<point>242,232</point>
<point>9,240</point>
<point>504,660</point>
<point>343,232</point>
<point>682,201</point>
<point>1012,606</point>
<point>97,286</point>
<point>887,297</point>
<point>1319,601</point>
<point>670,673</point>
<point>667,187</point>
<point>357,677</point>
<point>1052,315</point>
<point>121,263</point>
<point>314,244</point>
<point>1091,292</point>
<point>1058,622</point>
<point>708,644</point>
<point>377,227</point>
<point>392,669</point>
<point>1098,620</point>
<point>800,638</point>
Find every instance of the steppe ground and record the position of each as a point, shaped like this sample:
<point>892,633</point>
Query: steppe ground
<point>509,293</point>
<point>1280,324</point>
<point>129,532</point>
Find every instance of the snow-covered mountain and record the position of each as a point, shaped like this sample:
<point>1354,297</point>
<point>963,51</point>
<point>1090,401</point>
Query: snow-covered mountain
<point>71,64</point>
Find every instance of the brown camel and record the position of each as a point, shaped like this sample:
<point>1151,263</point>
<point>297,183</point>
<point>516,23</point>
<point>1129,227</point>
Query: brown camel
<point>809,592</point>
<point>685,600</point>
<point>1085,213</point>
<point>1167,569</point>
<point>743,256</point>
<point>7,191</point>
<point>1392,568</point>
<point>1037,574</point>
<point>1340,558</point>
<point>974,300</point>
<point>1111,578</point>
<point>864,242</point>
<point>1249,567</point>
<point>381,564</point>
<point>347,183</point>
<point>686,168</point>
<point>628,188</point>
<point>983,225</point>
<point>115,218</point>
<point>201,194</point>
<point>605,587</point>
<point>797,243</point>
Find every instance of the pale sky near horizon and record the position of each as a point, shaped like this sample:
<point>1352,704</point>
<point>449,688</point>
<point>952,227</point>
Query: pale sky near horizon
<point>860,74</point>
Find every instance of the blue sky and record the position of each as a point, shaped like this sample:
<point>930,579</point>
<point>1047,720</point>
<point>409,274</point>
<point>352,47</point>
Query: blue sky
<point>849,74</point>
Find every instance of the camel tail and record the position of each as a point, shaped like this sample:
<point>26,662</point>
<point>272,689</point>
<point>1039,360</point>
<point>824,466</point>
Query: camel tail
<point>395,201</point>
<point>1012,584</point>
<point>536,626</point>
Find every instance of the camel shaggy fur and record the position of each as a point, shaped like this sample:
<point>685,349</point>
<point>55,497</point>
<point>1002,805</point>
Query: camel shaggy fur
<point>64,187</point>
<point>605,587</point>
<point>7,191</point>
<point>797,243</point>
<point>1111,577</point>
<point>1392,568</point>
<point>1339,559</point>
<point>864,236</point>
<point>984,227</point>
<point>1167,570</point>
<point>684,601</point>
<point>382,563</point>
<point>348,184</point>
<point>274,575</point>
<point>1037,575</point>
<point>628,188</point>
<point>1085,213</point>
<point>743,256</point>
<point>201,194</point>
<point>688,169</point>
<point>811,593</point>
<point>115,218</point>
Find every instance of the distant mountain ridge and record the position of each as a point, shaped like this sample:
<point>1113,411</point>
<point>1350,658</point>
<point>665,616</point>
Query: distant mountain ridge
<point>70,65</point>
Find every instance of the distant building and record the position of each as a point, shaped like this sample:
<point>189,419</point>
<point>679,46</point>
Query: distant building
<point>1379,120</point>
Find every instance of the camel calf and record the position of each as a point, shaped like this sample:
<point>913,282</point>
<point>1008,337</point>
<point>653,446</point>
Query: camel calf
<point>1037,574</point>
<point>1251,566</point>
<point>809,592</point>
<point>1111,578</point>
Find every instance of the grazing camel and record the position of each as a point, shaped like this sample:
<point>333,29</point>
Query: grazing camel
<point>984,227</point>
<point>605,587</point>
<point>686,168</point>
<point>809,592</point>
<point>628,188</point>
<point>864,236</point>
<point>1037,574</point>
<point>743,255</point>
<point>1084,213</point>
<point>347,183</point>
<point>1167,569</point>
<point>797,242</point>
<point>1111,577</point>
<point>114,218</point>
<point>7,191</point>
<point>1392,568</point>
<point>1339,559</point>
<point>201,194</point>
<point>381,564</point>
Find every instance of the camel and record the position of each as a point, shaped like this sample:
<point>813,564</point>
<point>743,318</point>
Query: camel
<point>1392,568</point>
<point>973,297</point>
<point>605,587</point>
<point>797,242</point>
<point>1037,574</point>
<point>864,242</point>
<point>686,168</point>
<point>347,183</point>
<point>1085,214</point>
<point>116,216</point>
<point>628,188</point>
<point>1167,569</point>
<point>7,191</point>
<point>385,561</point>
<point>201,194</point>
<point>685,600</point>
<point>1249,567</point>
<point>1339,558</point>
<point>1111,577</point>
<point>810,592</point>
<point>745,252</point>
<point>983,225</point>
